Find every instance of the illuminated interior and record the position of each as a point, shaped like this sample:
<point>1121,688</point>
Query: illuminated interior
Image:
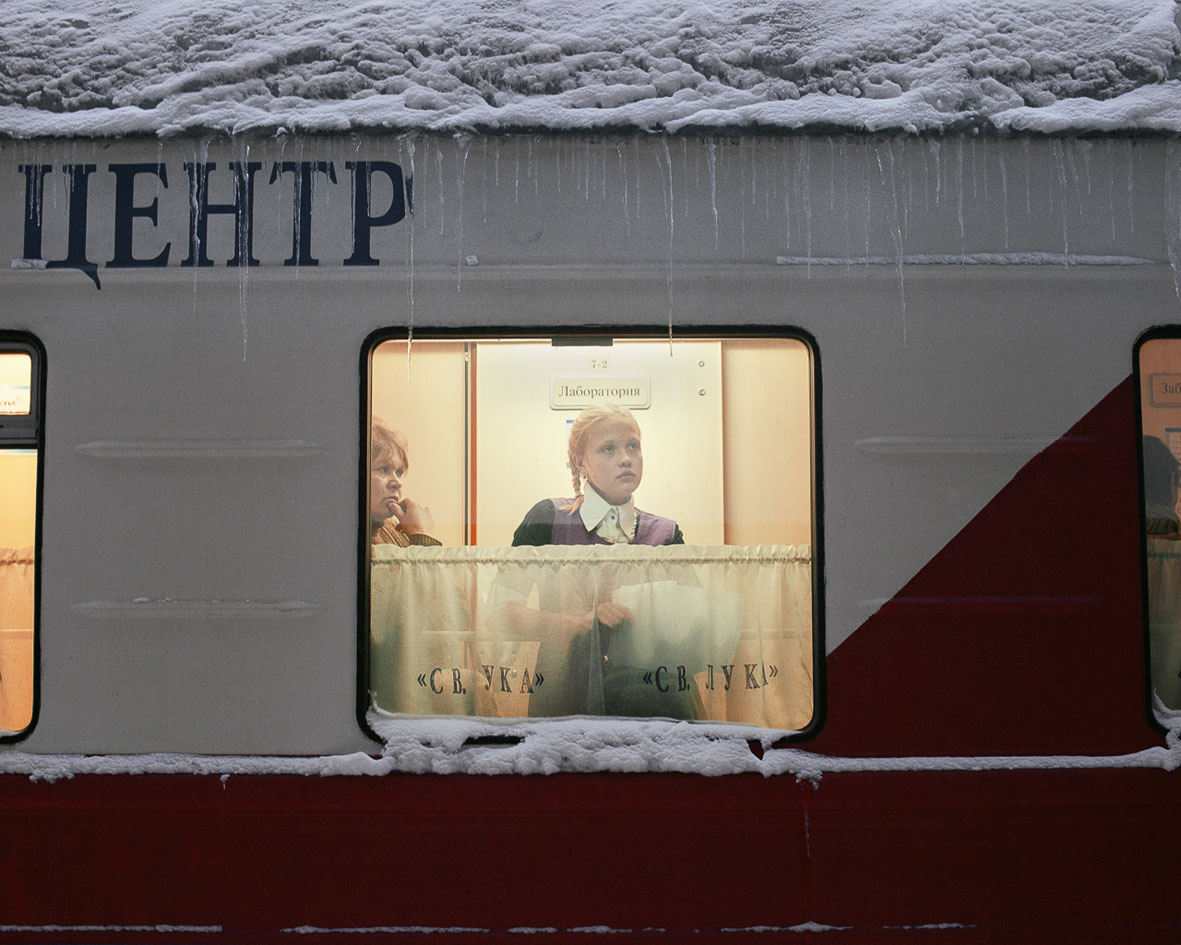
<point>16,375</point>
<point>634,624</point>
<point>18,485</point>
<point>1160,418</point>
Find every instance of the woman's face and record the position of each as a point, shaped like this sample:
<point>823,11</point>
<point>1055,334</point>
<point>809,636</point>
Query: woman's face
<point>385,486</point>
<point>612,461</point>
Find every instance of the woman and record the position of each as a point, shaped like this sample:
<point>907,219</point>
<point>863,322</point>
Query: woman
<point>604,451</point>
<point>394,520</point>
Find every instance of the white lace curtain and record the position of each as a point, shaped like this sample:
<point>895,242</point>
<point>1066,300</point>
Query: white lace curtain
<point>688,632</point>
<point>1164,619</point>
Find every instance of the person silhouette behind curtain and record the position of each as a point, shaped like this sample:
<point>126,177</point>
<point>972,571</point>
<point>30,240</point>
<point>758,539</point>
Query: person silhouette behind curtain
<point>1162,482</point>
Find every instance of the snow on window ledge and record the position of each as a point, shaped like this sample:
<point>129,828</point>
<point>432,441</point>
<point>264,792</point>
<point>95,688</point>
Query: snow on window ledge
<point>574,745</point>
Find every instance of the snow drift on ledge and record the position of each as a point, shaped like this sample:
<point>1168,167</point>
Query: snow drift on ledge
<point>129,67</point>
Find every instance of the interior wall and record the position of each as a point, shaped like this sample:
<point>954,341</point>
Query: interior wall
<point>767,421</point>
<point>425,400</point>
<point>732,464</point>
<point>18,498</point>
<point>1159,356</point>
<point>16,373</point>
<point>521,440</point>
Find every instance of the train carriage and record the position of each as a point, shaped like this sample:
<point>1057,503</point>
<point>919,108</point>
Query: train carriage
<point>306,310</point>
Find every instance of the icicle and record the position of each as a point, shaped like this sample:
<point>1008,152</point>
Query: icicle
<point>463,146</point>
<point>832,186</point>
<point>1069,150</point>
<point>1173,211</point>
<point>603,172</point>
<point>410,220</point>
<point>442,200</point>
<point>895,230</point>
<point>485,188</point>
<point>627,224</point>
<point>1110,178</point>
<point>1060,167</point>
<point>637,164</point>
<point>972,148</point>
<point>959,173</point>
<point>534,172</point>
<point>558,164</point>
<point>588,169</point>
<point>711,159</point>
<point>742,195</point>
<point>907,204</point>
<point>243,242</point>
<point>867,217</point>
<point>1128,154</point>
<point>927,179</point>
<point>670,208</point>
<point>1000,151</point>
<point>1025,148</point>
<point>804,168</point>
<point>934,147</point>
<point>787,189</point>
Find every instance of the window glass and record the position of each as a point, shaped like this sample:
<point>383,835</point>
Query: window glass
<point>604,526</point>
<point>18,529</point>
<point>1160,420</point>
<point>16,380</point>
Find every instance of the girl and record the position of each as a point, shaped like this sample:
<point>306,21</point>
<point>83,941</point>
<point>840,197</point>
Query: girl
<point>604,451</point>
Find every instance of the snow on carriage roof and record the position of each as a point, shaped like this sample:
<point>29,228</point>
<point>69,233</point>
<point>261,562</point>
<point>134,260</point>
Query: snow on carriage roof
<point>163,67</point>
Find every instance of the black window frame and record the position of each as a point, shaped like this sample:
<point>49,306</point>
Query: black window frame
<point>27,431</point>
<point>590,334</point>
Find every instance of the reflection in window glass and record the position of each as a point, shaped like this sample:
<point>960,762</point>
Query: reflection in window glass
<point>1160,416</point>
<point>618,527</point>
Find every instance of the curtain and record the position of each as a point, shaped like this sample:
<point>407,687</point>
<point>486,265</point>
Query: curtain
<point>722,633</point>
<point>16,637</point>
<point>1164,619</point>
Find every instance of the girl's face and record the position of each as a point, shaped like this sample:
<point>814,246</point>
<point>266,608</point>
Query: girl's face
<point>385,486</point>
<point>612,461</point>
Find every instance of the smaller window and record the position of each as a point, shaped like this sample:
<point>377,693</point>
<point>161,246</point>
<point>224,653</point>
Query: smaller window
<point>20,373</point>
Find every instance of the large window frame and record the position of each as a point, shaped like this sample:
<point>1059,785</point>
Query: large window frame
<point>590,336</point>
<point>26,432</point>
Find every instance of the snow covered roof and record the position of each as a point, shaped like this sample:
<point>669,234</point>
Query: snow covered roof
<point>164,67</point>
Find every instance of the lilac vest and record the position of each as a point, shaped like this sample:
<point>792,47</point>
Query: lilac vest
<point>569,530</point>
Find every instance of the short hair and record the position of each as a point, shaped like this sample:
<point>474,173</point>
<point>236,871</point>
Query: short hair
<point>387,443</point>
<point>580,430</point>
<point>1160,472</point>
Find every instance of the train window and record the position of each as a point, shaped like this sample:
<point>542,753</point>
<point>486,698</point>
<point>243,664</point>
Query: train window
<point>19,458</point>
<point>1159,370</point>
<point>591,526</point>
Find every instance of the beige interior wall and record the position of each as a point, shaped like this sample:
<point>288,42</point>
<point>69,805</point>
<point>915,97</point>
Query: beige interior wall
<point>425,400</point>
<point>18,498</point>
<point>521,440</point>
<point>16,370</point>
<point>767,419</point>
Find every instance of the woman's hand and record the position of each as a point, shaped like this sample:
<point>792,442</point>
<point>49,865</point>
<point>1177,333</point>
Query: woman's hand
<point>413,518</point>
<point>612,615</point>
